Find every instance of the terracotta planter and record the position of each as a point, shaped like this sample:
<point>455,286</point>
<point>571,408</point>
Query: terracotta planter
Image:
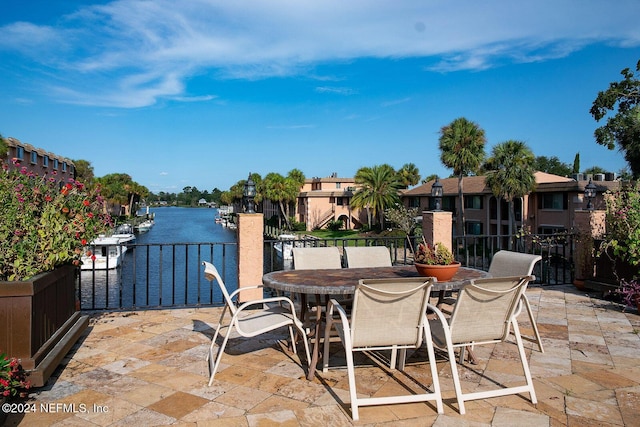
<point>579,284</point>
<point>39,322</point>
<point>443,273</point>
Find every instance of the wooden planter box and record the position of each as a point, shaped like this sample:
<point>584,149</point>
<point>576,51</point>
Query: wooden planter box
<point>39,321</point>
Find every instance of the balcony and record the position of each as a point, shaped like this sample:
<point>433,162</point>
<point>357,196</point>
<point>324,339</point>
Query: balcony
<point>148,368</point>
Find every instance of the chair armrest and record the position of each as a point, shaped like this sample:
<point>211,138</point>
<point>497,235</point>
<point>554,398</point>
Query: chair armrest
<point>244,288</point>
<point>334,304</point>
<point>286,300</point>
<point>438,313</point>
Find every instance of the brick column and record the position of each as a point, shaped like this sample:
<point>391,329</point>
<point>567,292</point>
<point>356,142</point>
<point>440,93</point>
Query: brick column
<point>250,255</point>
<point>436,228</point>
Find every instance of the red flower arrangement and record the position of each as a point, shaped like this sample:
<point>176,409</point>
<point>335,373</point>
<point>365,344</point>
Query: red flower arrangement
<point>13,379</point>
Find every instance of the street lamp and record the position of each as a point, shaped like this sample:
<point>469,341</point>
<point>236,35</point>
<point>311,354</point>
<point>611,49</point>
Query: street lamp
<point>436,193</point>
<point>590,193</point>
<point>249,194</point>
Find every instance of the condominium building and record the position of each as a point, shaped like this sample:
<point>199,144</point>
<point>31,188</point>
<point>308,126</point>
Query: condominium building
<point>38,161</point>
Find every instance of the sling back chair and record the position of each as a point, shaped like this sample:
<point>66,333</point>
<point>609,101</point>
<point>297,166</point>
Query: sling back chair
<point>483,314</point>
<point>249,322</point>
<point>386,314</point>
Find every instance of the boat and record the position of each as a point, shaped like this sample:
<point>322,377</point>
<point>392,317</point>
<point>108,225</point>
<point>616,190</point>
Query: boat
<point>144,226</point>
<point>284,248</point>
<point>124,232</point>
<point>103,253</point>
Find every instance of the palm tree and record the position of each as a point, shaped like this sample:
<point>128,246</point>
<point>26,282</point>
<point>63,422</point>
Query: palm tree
<point>275,189</point>
<point>378,190</point>
<point>409,175</point>
<point>462,149</point>
<point>511,173</point>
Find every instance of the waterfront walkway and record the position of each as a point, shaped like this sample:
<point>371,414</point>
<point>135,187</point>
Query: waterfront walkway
<point>147,368</point>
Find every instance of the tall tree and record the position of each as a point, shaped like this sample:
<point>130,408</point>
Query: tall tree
<point>378,190</point>
<point>511,174</point>
<point>551,165</point>
<point>462,149</point>
<point>4,148</point>
<point>409,175</point>
<point>276,189</point>
<point>84,171</point>
<point>576,163</point>
<point>622,128</point>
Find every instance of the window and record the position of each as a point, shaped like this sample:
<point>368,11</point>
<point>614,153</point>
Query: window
<point>473,202</point>
<point>551,229</point>
<point>338,185</point>
<point>20,153</point>
<point>45,161</point>
<point>34,157</point>
<point>474,228</point>
<point>340,201</point>
<point>553,201</point>
<point>64,166</point>
<point>55,164</point>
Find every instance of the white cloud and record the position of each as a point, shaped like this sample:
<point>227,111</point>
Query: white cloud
<point>137,52</point>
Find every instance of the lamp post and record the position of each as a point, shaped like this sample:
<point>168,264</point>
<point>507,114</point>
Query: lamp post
<point>436,193</point>
<point>590,193</point>
<point>249,194</point>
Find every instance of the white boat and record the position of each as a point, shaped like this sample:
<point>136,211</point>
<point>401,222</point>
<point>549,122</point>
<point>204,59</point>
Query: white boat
<point>104,253</point>
<point>124,232</point>
<point>284,246</point>
<point>144,226</point>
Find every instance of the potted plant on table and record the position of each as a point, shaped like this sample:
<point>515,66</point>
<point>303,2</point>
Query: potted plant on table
<point>435,261</point>
<point>45,224</point>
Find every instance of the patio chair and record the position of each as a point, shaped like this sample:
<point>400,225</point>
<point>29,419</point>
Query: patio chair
<point>367,256</point>
<point>483,314</point>
<point>508,263</point>
<point>316,258</point>
<point>250,323</point>
<point>386,314</point>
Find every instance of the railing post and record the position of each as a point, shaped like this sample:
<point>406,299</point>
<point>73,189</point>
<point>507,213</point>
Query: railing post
<point>250,254</point>
<point>436,228</point>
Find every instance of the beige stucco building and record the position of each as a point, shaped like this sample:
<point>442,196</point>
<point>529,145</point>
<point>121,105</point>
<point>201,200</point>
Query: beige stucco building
<point>549,208</point>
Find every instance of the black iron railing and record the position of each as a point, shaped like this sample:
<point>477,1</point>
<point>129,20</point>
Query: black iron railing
<point>160,276</point>
<point>171,275</point>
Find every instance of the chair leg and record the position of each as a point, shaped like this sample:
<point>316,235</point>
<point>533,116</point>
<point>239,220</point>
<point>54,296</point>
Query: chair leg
<point>352,382</point>
<point>216,364</point>
<point>525,364</point>
<point>434,369</point>
<point>456,378</point>
<point>533,322</point>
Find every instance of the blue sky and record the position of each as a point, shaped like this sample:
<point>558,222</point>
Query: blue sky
<point>202,92</point>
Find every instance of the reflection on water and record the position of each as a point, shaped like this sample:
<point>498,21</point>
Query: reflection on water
<point>164,267</point>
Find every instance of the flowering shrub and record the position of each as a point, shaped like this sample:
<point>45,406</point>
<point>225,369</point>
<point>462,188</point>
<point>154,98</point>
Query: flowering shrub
<point>623,224</point>
<point>630,292</point>
<point>45,223</point>
<point>433,255</point>
<point>13,379</point>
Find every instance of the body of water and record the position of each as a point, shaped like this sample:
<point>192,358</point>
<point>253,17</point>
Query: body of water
<point>164,267</point>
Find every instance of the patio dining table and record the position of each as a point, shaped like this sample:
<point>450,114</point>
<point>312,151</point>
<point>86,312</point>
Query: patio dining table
<point>327,283</point>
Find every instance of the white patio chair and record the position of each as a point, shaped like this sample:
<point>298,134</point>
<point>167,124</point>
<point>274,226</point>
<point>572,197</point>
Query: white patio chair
<point>316,258</point>
<point>367,256</point>
<point>386,314</point>
<point>483,313</point>
<point>250,323</point>
<point>508,263</point>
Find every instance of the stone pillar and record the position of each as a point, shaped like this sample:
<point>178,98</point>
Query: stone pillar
<point>250,255</point>
<point>436,228</point>
<point>589,225</point>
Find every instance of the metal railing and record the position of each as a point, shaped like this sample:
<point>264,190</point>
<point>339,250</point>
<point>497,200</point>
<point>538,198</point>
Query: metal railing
<point>170,275</point>
<point>159,276</point>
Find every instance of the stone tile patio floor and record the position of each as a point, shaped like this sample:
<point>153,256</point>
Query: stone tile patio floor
<point>147,368</point>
